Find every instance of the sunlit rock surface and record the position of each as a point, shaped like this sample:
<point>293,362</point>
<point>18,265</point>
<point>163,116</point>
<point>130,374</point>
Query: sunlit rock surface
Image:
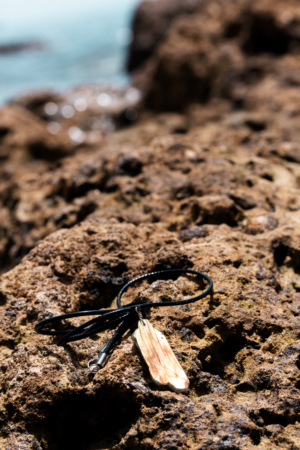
<point>211,186</point>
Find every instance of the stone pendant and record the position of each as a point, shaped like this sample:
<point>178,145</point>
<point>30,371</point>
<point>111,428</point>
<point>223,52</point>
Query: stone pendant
<point>163,365</point>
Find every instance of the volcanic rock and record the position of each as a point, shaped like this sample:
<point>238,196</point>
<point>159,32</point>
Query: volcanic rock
<point>150,23</point>
<point>22,136</point>
<point>214,187</point>
<point>241,51</point>
<point>164,205</point>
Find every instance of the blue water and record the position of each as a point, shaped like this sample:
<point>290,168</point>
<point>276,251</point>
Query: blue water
<point>86,41</point>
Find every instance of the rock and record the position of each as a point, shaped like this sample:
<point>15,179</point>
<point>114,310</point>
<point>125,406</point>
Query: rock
<point>79,268</point>
<point>243,199</point>
<point>173,181</point>
<point>224,50</point>
<point>212,186</point>
<point>22,136</point>
<point>48,126</point>
<point>217,210</point>
<point>150,23</point>
<point>193,232</point>
<point>260,224</point>
<point>141,207</point>
<point>63,193</point>
<point>289,151</point>
<point>35,101</point>
<point>21,47</point>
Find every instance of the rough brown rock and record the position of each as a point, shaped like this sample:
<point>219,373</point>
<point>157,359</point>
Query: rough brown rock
<point>150,23</point>
<point>177,202</point>
<point>38,197</point>
<point>216,189</point>
<point>23,137</point>
<point>49,126</point>
<point>227,49</point>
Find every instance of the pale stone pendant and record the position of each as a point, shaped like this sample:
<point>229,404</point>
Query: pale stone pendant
<point>163,365</point>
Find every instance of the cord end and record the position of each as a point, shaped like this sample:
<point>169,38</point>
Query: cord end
<point>96,363</point>
<point>102,359</point>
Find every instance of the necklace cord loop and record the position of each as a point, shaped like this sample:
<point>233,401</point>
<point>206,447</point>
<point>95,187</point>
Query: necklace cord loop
<point>123,316</point>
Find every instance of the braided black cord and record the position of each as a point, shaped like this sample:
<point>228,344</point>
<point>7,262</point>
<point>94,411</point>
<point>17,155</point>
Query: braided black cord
<point>110,318</point>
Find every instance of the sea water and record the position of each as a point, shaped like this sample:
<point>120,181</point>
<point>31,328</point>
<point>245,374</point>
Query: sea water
<point>83,41</point>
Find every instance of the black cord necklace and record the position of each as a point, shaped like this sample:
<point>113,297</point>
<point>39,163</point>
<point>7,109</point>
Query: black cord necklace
<point>125,317</point>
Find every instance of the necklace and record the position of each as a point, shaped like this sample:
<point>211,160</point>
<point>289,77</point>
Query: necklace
<point>163,365</point>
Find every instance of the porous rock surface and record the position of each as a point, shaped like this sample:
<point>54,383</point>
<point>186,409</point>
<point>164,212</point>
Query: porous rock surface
<point>215,189</point>
<point>38,196</point>
<point>181,201</point>
<point>244,51</point>
<point>150,24</point>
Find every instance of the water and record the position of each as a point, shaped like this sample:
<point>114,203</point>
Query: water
<point>86,41</point>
